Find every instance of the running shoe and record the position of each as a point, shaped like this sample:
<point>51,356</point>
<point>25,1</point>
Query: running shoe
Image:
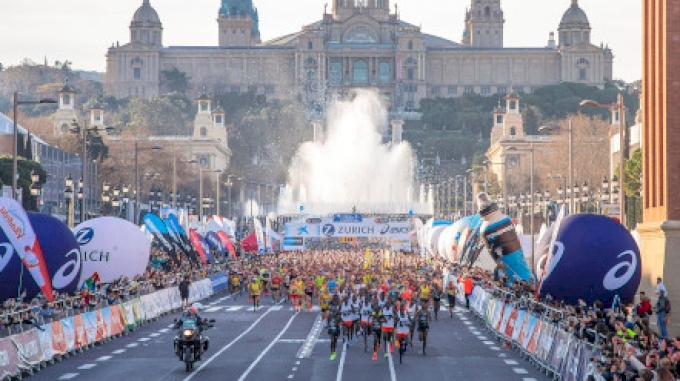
<point>375,356</point>
<point>333,356</point>
<point>386,356</point>
<point>397,343</point>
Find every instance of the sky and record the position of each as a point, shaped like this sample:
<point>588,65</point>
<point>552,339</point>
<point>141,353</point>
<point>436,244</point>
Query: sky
<point>82,30</point>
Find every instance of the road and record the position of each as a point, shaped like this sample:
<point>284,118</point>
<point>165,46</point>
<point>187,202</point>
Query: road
<point>275,343</point>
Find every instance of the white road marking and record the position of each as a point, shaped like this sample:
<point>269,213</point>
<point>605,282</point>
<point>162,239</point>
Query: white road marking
<point>529,379</point>
<point>510,362</point>
<point>164,330</point>
<point>155,334</point>
<point>292,340</point>
<point>171,325</point>
<point>393,375</point>
<point>87,366</point>
<point>259,358</point>
<point>276,308</point>
<point>495,349</point>
<point>312,338</point>
<point>68,376</point>
<point>144,339</point>
<point>132,345</point>
<point>104,358</point>
<point>213,309</point>
<point>520,370</point>
<point>118,351</point>
<point>234,308</point>
<point>297,363</point>
<point>294,369</point>
<point>290,376</point>
<point>467,322</point>
<point>213,357</point>
<point>488,342</point>
<point>341,365</point>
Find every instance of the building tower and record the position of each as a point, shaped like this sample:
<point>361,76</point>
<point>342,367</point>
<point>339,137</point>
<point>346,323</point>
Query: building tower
<point>484,24</point>
<point>66,114</point>
<point>513,122</point>
<point>343,9</point>
<point>238,23</point>
<point>574,28</point>
<point>146,27</point>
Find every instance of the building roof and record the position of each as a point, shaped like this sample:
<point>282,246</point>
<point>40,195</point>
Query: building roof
<point>574,17</point>
<point>6,124</point>
<point>146,15</point>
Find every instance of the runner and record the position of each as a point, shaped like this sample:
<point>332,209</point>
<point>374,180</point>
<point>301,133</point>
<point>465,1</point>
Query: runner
<point>423,318</point>
<point>255,289</point>
<point>451,296</point>
<point>276,288</point>
<point>377,320</point>
<point>436,300</point>
<point>402,331</point>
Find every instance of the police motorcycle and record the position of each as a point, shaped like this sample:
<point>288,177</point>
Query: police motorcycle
<point>190,343</point>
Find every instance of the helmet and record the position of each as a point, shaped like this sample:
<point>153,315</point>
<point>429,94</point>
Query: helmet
<point>192,311</point>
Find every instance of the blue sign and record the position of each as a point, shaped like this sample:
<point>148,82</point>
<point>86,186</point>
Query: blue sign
<point>218,282</point>
<point>348,217</point>
<point>62,257</point>
<point>328,230</point>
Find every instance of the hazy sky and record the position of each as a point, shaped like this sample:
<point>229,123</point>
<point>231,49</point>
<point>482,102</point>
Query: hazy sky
<point>82,30</point>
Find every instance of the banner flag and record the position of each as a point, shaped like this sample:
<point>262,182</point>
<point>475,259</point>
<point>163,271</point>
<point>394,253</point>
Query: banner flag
<point>196,242</point>
<point>156,227</point>
<point>227,243</point>
<point>259,234</point>
<point>16,226</point>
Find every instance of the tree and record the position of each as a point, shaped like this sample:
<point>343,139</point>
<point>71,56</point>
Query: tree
<point>24,167</point>
<point>174,80</point>
<point>633,174</point>
<point>29,147</point>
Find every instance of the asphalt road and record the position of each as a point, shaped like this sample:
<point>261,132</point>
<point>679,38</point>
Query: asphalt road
<point>275,343</point>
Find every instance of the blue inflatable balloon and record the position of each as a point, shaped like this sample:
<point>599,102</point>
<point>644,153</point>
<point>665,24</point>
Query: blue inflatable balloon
<point>62,257</point>
<point>594,258</point>
<point>215,243</point>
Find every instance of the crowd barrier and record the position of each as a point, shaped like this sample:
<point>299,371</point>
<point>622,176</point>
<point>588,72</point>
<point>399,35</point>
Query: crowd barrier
<point>32,349</point>
<point>541,341</point>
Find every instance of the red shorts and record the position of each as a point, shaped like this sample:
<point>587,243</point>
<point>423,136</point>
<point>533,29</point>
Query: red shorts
<point>402,335</point>
<point>348,322</point>
<point>294,297</point>
<point>388,329</point>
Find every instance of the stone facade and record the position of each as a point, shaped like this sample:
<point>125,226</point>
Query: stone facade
<point>359,43</point>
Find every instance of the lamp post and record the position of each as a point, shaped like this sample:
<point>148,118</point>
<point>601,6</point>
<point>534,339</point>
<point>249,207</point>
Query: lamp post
<point>36,189</point>
<point>126,199</point>
<point>468,174</point>
<point>15,164</point>
<point>560,189</point>
<point>68,195</point>
<point>532,195</point>
<point>137,190</point>
<point>217,191</point>
<point>618,108</point>
<point>106,197</point>
<point>200,189</point>
<point>115,201</point>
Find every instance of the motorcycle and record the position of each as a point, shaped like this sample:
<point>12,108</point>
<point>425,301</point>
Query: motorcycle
<point>190,343</point>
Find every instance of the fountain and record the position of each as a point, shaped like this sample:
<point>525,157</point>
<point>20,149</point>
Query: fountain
<point>350,169</point>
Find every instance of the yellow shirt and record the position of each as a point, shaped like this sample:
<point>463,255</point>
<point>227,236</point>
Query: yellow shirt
<point>424,292</point>
<point>255,288</point>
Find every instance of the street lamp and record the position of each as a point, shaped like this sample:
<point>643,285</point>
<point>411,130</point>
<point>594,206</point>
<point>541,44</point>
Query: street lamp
<point>200,189</point>
<point>137,149</point>
<point>115,201</point>
<point>217,191</point>
<point>106,197</point>
<point>68,195</point>
<point>619,109</point>
<point>36,189</point>
<point>465,187</point>
<point>486,176</point>
<point>126,199</point>
<point>229,184</point>
<point>15,165</point>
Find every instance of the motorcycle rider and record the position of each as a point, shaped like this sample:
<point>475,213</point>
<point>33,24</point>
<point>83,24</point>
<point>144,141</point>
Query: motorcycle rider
<point>191,314</point>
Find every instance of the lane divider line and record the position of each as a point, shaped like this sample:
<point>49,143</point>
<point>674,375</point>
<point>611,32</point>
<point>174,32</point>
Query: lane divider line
<point>341,365</point>
<point>312,338</point>
<point>259,358</point>
<point>213,357</point>
<point>393,374</point>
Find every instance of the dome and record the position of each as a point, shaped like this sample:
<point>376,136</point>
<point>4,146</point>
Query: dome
<point>574,17</point>
<point>146,15</point>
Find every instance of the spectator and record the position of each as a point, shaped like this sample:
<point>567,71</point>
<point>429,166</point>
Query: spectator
<point>644,308</point>
<point>660,309</point>
<point>660,286</point>
<point>47,311</point>
<point>184,291</point>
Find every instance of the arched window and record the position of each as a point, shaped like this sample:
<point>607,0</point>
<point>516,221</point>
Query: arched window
<point>360,71</point>
<point>67,99</point>
<point>582,61</point>
<point>582,65</point>
<point>204,132</point>
<point>513,131</point>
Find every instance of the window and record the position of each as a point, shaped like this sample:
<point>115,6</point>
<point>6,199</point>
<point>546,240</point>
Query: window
<point>204,132</point>
<point>269,90</point>
<point>235,89</point>
<point>410,45</point>
<point>336,72</point>
<point>411,88</point>
<point>582,61</point>
<point>203,162</point>
<point>487,12</point>
<point>218,119</point>
<point>252,89</point>
<point>582,74</point>
<point>137,73</point>
<point>575,38</point>
<point>67,101</point>
<point>486,90</point>
<point>411,74</point>
<point>469,90</point>
<point>310,45</point>
<point>513,105</point>
<point>502,90</point>
<point>452,90</point>
<point>435,91</point>
<point>513,131</point>
<point>385,74</point>
<point>204,106</point>
<point>499,119</point>
<point>360,71</point>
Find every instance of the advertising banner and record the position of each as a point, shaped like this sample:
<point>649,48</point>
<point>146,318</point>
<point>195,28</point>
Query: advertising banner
<point>9,360</point>
<point>533,340</point>
<point>585,365</point>
<point>45,337</point>
<point>81,337</point>
<point>527,331</point>
<point>506,317</point>
<point>116,326</point>
<point>519,324</point>
<point>545,342</point>
<point>367,228</point>
<point>104,323</point>
<point>15,224</point>
<point>127,314</point>
<point>69,329</point>
<point>560,350</point>
<point>573,362</point>
<point>138,309</point>
<point>59,346</point>
<point>27,345</point>
<point>218,282</point>
<point>510,325</point>
<point>90,325</point>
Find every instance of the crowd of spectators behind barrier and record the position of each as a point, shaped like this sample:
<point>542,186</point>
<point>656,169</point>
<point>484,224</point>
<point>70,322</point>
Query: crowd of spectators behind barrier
<point>18,314</point>
<point>627,347</point>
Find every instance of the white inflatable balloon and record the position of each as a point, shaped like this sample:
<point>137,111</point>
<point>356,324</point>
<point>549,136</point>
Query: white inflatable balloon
<point>112,247</point>
<point>433,239</point>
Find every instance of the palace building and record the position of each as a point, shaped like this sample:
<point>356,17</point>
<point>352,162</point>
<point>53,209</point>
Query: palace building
<point>356,44</point>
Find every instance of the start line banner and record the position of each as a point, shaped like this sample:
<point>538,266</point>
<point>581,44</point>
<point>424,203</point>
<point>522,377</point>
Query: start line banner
<point>370,228</point>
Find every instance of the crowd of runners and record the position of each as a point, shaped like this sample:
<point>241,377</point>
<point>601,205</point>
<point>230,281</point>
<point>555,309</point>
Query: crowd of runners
<point>380,298</point>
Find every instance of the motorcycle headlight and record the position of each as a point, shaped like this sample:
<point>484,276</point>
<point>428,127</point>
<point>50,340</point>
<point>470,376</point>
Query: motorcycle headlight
<point>188,333</point>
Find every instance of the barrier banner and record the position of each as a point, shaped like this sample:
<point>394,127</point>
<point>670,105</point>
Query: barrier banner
<point>138,310</point>
<point>149,303</point>
<point>533,340</point>
<point>545,341</point>
<point>27,345</point>
<point>560,350</point>
<point>527,330</point>
<point>90,325</point>
<point>116,326</point>
<point>8,358</point>
<point>45,337</point>
<point>490,308</point>
<point>218,282</point>
<point>59,346</point>
<point>104,323</point>
<point>69,329</point>
<point>519,324</point>
<point>127,314</point>
<point>510,325</point>
<point>81,338</point>
<point>498,315</point>
<point>585,365</point>
<point>506,317</point>
<point>571,370</point>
